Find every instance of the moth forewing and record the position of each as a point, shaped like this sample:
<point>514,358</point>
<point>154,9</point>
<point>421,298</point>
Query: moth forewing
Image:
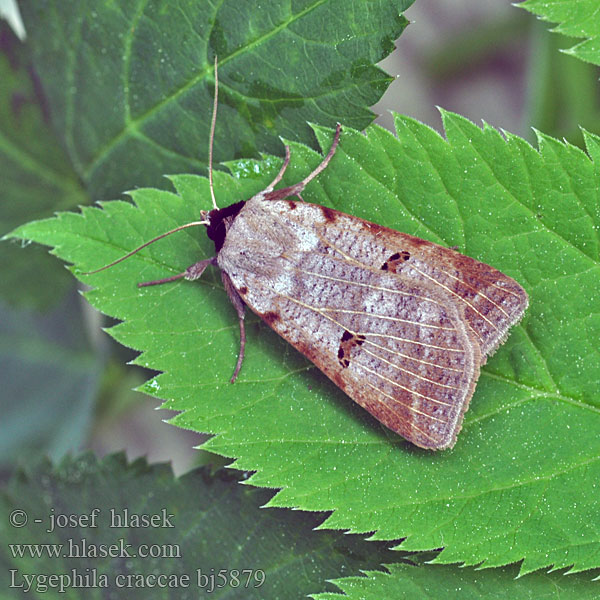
<point>392,342</point>
<point>491,301</point>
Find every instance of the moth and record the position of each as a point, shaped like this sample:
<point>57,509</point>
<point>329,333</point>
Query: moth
<point>400,324</point>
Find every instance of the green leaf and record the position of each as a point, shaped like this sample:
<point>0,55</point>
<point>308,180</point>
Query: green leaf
<point>521,483</point>
<point>202,522</point>
<point>407,582</point>
<point>580,19</point>
<point>131,83</point>
<point>49,380</point>
<point>36,177</point>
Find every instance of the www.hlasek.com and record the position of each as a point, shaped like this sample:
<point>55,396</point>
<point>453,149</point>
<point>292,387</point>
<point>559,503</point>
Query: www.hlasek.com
<point>81,548</point>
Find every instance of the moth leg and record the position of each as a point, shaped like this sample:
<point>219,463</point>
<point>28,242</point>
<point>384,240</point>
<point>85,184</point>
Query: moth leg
<point>294,190</point>
<point>240,307</point>
<point>324,162</point>
<point>195,271</point>
<point>191,273</point>
<point>284,166</point>
<point>301,198</point>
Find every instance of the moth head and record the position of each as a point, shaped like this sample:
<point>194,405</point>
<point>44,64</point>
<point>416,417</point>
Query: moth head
<point>219,221</point>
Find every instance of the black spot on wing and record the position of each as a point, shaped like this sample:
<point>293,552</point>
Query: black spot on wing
<point>394,263</point>
<point>347,343</point>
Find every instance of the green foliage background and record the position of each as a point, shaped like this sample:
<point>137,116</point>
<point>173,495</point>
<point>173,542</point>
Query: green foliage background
<point>206,522</point>
<point>521,484</point>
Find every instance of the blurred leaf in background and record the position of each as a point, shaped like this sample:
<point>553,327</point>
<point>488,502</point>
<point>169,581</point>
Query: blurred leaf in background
<point>36,178</point>
<point>205,522</point>
<point>50,382</point>
<point>490,61</point>
<point>130,84</point>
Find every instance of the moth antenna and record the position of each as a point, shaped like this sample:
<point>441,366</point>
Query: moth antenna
<point>158,237</point>
<point>212,137</point>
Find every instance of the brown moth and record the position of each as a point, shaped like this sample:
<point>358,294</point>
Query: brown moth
<point>400,324</point>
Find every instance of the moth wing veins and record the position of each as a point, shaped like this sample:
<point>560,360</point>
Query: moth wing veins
<point>409,356</point>
<point>491,301</point>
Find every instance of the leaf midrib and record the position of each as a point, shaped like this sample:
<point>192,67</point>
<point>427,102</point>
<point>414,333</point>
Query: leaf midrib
<point>135,124</point>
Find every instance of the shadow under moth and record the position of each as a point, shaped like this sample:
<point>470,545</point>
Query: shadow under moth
<point>400,324</point>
